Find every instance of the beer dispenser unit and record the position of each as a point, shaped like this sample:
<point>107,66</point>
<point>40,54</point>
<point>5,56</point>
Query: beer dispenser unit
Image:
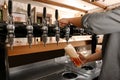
<point>57,28</point>
<point>44,27</point>
<point>29,26</point>
<point>10,26</point>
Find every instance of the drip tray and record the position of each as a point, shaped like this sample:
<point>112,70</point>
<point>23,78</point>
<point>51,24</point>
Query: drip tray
<point>65,75</point>
<point>87,67</point>
<point>49,70</point>
<point>86,72</point>
<point>70,75</point>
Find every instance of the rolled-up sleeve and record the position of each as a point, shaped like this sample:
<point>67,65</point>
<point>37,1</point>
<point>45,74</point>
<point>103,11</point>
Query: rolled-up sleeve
<point>103,23</point>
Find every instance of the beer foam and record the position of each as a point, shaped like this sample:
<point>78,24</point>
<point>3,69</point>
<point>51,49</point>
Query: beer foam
<point>70,50</point>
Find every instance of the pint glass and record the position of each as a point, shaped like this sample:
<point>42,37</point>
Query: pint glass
<point>70,50</point>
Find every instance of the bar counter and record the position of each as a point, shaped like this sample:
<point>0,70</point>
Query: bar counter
<point>21,46</point>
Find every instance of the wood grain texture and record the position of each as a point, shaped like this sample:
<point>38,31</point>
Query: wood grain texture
<point>61,5</point>
<point>24,49</point>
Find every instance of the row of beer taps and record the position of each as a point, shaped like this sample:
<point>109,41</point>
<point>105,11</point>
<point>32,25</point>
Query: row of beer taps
<point>30,28</point>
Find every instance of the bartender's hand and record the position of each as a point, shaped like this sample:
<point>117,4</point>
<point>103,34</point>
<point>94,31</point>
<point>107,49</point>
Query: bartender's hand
<point>93,57</point>
<point>82,58</point>
<point>63,22</point>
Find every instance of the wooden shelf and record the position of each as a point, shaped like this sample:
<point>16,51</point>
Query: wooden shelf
<point>19,50</point>
<point>23,48</point>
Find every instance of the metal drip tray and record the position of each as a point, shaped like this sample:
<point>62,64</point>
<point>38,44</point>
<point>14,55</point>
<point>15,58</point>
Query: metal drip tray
<point>70,75</point>
<point>87,67</point>
<point>65,75</point>
<point>49,70</point>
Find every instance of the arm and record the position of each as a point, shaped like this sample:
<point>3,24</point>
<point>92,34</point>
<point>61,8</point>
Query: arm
<point>92,57</point>
<point>75,21</point>
<point>99,23</point>
<point>104,22</point>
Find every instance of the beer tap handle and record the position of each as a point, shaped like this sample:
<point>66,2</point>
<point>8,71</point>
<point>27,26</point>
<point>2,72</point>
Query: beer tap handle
<point>44,16</point>
<point>10,7</point>
<point>57,27</point>
<point>29,14</point>
<point>29,26</point>
<point>44,12</point>
<point>56,15</point>
<point>44,28</point>
<point>29,10</point>
<point>10,18</point>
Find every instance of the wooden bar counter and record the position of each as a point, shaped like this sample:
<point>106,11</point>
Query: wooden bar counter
<point>22,54</point>
<point>21,47</point>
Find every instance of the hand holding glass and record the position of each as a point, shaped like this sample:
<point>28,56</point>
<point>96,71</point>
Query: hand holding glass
<point>70,50</point>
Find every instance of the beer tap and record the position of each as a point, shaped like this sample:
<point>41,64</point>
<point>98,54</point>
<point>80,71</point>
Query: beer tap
<point>67,33</point>
<point>29,26</point>
<point>10,25</point>
<point>57,28</point>
<point>44,27</point>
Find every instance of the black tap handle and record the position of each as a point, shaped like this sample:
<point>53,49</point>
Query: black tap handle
<point>44,12</point>
<point>29,10</point>
<point>56,14</point>
<point>10,7</point>
<point>94,43</point>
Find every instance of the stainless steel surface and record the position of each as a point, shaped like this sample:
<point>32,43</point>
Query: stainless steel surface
<point>67,33</point>
<point>51,70</point>
<point>34,71</point>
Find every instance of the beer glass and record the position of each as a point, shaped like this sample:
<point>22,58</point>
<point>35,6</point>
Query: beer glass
<point>74,56</point>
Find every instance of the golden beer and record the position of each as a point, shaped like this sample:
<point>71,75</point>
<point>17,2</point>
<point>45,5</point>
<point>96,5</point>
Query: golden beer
<point>70,50</point>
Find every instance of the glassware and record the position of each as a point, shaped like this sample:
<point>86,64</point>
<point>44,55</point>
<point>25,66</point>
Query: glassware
<point>74,56</point>
<point>83,50</point>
